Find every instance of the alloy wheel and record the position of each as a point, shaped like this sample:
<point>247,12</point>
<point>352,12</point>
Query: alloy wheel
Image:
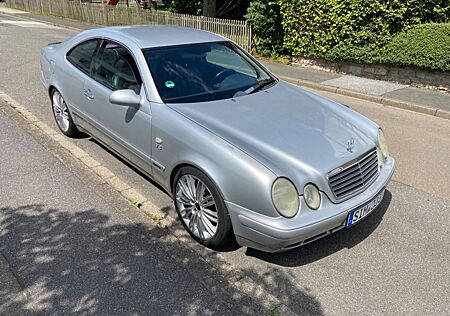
<point>197,207</point>
<point>60,111</point>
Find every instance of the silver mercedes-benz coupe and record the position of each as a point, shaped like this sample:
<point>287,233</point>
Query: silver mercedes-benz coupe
<point>242,153</point>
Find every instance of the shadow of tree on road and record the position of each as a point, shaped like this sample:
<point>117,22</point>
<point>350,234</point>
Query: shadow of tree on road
<point>88,262</point>
<point>345,238</point>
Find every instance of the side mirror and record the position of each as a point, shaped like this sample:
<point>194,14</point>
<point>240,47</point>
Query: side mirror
<point>126,97</point>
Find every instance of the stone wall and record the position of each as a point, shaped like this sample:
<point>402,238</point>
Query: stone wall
<point>437,80</point>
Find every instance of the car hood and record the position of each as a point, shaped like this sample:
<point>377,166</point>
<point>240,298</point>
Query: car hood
<point>293,132</point>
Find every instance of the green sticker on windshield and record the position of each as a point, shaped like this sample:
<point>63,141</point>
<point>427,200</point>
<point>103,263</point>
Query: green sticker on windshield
<point>170,84</point>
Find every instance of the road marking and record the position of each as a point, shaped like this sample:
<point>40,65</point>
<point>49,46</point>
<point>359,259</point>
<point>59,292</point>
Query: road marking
<point>29,24</point>
<point>12,11</point>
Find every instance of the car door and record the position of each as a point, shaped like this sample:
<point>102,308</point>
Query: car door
<point>73,76</point>
<point>126,129</point>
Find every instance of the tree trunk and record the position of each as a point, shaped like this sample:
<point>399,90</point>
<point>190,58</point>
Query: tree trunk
<point>209,8</point>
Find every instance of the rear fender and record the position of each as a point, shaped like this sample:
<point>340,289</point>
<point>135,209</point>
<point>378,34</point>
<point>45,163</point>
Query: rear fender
<point>47,64</point>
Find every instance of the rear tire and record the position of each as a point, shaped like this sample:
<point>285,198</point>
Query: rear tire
<point>201,208</point>
<point>62,115</point>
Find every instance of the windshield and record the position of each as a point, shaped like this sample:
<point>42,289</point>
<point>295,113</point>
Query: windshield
<point>204,72</point>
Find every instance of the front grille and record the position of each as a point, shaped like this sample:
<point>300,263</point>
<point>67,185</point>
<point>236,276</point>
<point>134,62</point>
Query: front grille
<point>355,176</point>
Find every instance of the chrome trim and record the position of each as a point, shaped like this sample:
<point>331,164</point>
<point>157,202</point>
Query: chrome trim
<point>158,165</point>
<point>351,164</point>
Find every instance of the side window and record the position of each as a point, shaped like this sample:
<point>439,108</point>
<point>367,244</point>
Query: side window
<point>81,56</point>
<point>115,68</point>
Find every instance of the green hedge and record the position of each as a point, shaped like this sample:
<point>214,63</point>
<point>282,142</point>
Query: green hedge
<point>396,32</point>
<point>265,18</point>
<point>423,46</point>
<point>314,27</point>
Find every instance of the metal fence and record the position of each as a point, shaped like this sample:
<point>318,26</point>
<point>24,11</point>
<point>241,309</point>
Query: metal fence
<point>238,31</point>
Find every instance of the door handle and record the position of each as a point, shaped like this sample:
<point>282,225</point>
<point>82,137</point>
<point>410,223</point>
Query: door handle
<point>88,94</point>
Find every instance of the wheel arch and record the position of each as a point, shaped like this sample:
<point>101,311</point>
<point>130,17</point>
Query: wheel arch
<point>175,171</point>
<point>224,231</point>
<point>50,90</point>
<point>240,178</point>
<point>184,164</point>
<point>52,87</point>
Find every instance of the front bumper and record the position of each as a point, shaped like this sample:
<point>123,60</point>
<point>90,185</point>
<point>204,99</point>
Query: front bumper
<point>280,234</point>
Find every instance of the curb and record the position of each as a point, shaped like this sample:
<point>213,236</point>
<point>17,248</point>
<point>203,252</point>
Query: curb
<point>131,195</point>
<point>243,283</point>
<point>373,98</point>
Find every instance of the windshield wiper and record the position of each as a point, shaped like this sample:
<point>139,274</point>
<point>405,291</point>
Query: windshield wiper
<point>260,84</point>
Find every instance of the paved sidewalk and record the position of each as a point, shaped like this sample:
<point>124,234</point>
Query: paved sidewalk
<point>65,247</point>
<point>416,99</point>
<point>423,97</point>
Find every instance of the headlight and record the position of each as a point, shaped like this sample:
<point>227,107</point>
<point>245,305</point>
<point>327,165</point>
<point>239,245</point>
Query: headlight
<point>285,197</point>
<point>383,144</point>
<point>312,196</point>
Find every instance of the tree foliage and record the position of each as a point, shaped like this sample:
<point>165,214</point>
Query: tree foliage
<point>265,18</point>
<point>194,7</point>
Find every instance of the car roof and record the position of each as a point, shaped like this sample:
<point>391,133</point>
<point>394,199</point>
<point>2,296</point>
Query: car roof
<point>148,36</point>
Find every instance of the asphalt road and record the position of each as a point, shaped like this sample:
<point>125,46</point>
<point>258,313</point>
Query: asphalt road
<point>395,262</point>
<point>73,251</point>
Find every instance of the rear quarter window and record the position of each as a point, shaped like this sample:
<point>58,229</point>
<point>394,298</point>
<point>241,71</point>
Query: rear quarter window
<point>81,55</point>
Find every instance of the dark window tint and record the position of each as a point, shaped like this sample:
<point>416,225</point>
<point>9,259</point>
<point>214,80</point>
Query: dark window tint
<point>115,68</point>
<point>81,56</point>
<point>202,72</point>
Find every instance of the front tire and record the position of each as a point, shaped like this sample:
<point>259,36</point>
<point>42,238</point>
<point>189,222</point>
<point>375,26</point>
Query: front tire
<point>201,208</point>
<point>62,115</point>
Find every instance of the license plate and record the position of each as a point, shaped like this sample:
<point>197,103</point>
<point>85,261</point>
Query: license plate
<point>361,212</point>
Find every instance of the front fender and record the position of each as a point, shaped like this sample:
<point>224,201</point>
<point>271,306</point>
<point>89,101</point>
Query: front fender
<point>240,178</point>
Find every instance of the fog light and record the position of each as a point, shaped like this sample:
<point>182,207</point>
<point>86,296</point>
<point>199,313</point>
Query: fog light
<point>312,196</point>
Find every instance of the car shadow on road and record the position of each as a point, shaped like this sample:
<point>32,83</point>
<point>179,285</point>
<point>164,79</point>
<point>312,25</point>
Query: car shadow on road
<point>88,262</point>
<point>80,135</point>
<point>345,238</point>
